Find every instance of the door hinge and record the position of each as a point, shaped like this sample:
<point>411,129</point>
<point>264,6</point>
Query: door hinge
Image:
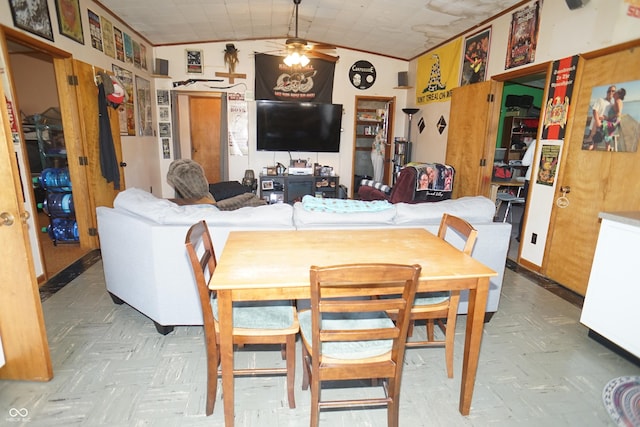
<point>83,160</point>
<point>93,231</point>
<point>490,97</point>
<point>72,80</point>
<point>483,162</point>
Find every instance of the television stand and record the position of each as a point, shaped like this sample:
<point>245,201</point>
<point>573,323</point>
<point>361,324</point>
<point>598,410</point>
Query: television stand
<point>291,188</point>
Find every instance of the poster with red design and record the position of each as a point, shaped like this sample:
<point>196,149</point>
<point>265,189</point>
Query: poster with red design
<point>523,36</point>
<point>563,76</point>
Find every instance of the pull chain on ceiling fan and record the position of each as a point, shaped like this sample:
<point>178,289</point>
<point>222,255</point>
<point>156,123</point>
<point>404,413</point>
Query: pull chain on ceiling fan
<point>296,46</point>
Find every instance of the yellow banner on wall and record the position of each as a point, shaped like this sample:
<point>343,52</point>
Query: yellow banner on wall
<point>438,73</point>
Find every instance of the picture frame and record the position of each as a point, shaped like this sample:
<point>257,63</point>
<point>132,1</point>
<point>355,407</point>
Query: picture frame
<point>70,20</point>
<point>164,130</point>
<point>32,16</point>
<point>267,185</point>
<point>475,56</point>
<point>194,61</point>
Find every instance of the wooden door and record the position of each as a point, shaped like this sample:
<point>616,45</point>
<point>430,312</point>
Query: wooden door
<point>599,181</point>
<point>471,140</point>
<point>204,126</point>
<point>367,122</point>
<point>22,330</point>
<point>98,191</point>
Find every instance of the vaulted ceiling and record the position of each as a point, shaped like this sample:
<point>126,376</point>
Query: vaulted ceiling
<point>402,29</point>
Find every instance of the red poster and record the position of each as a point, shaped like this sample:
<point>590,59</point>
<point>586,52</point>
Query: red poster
<point>560,92</point>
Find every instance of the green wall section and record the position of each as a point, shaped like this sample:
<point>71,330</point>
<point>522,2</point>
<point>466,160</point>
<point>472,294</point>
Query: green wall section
<point>517,89</point>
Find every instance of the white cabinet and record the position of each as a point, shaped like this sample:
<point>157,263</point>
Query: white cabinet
<point>611,306</point>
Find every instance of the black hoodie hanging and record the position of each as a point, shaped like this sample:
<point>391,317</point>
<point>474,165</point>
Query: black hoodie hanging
<point>108,161</point>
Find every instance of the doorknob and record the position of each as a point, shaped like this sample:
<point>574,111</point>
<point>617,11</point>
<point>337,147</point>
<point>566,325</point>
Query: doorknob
<point>123,164</point>
<point>6,218</point>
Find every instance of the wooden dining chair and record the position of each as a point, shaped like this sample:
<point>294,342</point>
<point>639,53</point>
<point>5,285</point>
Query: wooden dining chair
<point>275,322</point>
<point>433,307</point>
<point>353,338</point>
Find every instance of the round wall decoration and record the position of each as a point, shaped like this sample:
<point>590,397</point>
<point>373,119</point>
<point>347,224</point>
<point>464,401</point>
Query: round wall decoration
<point>362,74</point>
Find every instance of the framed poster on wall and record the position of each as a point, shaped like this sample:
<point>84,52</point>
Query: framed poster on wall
<point>32,16</point>
<point>69,20</point>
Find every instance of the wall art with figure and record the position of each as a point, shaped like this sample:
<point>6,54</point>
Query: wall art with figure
<point>613,118</point>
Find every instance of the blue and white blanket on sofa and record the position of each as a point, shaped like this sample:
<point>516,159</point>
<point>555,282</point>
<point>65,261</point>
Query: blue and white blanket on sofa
<point>316,204</point>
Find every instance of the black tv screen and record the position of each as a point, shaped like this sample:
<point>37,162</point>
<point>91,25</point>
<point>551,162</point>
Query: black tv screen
<point>298,126</point>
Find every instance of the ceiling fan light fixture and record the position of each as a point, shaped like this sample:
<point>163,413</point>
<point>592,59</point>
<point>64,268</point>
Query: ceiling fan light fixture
<point>294,58</point>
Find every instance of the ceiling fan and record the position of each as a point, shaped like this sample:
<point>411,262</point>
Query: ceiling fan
<point>299,50</point>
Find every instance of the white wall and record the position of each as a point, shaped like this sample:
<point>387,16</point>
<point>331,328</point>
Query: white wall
<point>140,153</point>
<point>563,33</point>
<point>343,93</point>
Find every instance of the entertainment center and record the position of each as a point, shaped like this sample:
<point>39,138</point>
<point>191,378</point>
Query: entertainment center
<point>291,188</point>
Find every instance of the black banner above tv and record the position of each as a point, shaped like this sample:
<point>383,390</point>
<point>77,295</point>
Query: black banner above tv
<point>279,82</point>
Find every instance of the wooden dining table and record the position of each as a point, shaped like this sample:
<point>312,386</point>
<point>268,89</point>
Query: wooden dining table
<point>274,265</point>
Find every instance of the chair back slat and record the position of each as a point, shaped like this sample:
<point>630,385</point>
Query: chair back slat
<point>197,240</point>
<point>461,227</point>
<point>351,282</point>
<point>359,335</point>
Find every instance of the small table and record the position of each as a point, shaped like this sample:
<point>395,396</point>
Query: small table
<point>495,186</point>
<point>272,265</point>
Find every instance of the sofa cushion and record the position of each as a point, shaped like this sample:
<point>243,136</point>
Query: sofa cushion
<point>240,201</point>
<point>226,189</point>
<point>142,203</point>
<point>477,209</point>
<point>162,211</point>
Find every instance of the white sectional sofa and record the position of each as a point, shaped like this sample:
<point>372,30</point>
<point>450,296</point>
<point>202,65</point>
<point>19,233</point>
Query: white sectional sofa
<point>146,265</point>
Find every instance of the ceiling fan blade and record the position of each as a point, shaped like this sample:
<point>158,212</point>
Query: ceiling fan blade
<point>320,55</point>
<point>322,46</point>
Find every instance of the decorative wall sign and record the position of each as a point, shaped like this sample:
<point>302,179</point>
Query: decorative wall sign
<point>194,61</point>
<point>523,36</point>
<point>69,20</point>
<point>362,75</point>
<point>95,30</point>
<point>559,94</point>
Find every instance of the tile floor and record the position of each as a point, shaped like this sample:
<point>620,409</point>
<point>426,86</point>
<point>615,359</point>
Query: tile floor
<point>537,367</point>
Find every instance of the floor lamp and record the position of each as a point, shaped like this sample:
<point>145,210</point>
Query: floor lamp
<point>410,112</point>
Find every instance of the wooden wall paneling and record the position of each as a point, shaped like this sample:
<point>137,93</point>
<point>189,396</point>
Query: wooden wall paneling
<point>467,139</point>
<point>22,328</point>
<point>101,193</point>
<point>68,99</point>
<point>599,181</point>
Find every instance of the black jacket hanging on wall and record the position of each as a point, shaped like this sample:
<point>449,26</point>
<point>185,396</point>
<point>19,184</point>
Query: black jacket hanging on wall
<point>108,161</point>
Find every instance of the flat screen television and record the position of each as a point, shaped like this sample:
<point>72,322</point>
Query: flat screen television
<point>298,126</point>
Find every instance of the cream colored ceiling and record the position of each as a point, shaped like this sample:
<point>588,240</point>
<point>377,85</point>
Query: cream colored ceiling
<point>397,28</point>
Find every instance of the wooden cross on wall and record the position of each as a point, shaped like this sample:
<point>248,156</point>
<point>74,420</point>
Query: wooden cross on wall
<point>231,59</point>
<point>231,76</point>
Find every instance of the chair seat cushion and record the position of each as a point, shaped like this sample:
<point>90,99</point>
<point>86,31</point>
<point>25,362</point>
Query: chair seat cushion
<point>265,315</point>
<point>349,349</point>
<point>428,298</point>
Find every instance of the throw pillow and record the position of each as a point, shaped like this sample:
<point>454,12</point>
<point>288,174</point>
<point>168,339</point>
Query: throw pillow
<point>225,189</point>
<point>239,201</point>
